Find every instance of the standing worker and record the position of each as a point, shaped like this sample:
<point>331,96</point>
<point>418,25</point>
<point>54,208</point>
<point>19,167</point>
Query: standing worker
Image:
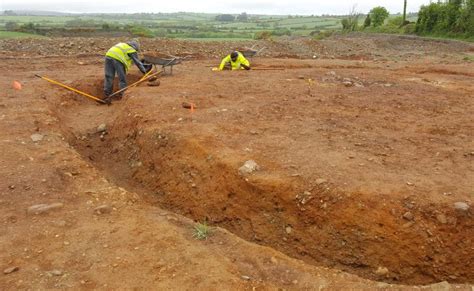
<point>236,60</point>
<point>118,59</point>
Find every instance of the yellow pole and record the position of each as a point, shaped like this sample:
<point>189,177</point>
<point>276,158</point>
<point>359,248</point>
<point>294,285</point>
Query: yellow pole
<point>72,89</point>
<point>144,78</point>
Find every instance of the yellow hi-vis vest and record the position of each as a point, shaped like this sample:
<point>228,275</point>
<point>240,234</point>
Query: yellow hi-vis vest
<point>120,53</point>
<point>235,65</point>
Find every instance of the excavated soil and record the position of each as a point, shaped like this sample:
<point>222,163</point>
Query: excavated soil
<point>362,158</point>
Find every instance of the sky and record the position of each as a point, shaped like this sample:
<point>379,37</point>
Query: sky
<point>284,7</point>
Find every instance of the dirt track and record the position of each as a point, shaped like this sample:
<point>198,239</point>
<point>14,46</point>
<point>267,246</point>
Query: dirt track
<point>363,152</point>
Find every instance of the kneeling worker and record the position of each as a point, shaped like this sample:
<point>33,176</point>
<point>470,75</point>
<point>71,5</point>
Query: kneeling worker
<point>236,60</point>
<point>118,59</point>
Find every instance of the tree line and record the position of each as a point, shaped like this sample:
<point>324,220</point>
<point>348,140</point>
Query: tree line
<point>443,18</point>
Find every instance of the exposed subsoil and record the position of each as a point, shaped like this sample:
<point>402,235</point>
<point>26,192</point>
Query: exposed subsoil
<point>363,153</point>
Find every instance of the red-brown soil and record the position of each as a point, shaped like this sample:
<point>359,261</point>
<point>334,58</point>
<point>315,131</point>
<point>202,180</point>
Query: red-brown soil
<point>364,143</point>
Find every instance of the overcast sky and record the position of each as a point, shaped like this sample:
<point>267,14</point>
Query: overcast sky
<point>302,7</point>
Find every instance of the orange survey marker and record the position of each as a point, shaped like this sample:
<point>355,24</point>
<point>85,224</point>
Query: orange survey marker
<point>71,89</point>
<point>16,85</point>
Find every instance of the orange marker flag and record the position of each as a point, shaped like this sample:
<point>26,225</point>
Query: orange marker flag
<point>16,85</point>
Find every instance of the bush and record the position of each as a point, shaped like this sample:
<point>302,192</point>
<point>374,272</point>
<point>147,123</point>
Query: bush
<point>265,35</point>
<point>11,26</point>
<point>140,31</point>
<point>396,21</point>
<point>323,34</point>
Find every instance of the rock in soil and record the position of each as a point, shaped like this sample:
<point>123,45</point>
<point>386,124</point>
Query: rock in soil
<point>381,271</point>
<point>188,105</point>
<point>43,208</point>
<point>249,167</point>
<point>408,215</point>
<point>154,83</point>
<point>320,181</point>
<point>36,137</point>
<point>441,218</point>
<point>56,273</point>
<point>10,270</point>
<point>103,209</point>
<point>462,206</point>
<point>102,127</point>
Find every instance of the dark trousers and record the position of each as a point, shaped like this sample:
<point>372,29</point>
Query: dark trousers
<point>113,66</point>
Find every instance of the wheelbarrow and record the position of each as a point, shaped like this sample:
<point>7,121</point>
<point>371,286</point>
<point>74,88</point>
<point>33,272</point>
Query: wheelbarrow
<point>250,52</point>
<point>163,61</point>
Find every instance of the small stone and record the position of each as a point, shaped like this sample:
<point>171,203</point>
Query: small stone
<point>103,209</point>
<point>320,181</point>
<point>288,229</point>
<point>410,184</point>
<point>247,278</point>
<point>442,286</point>
<point>249,167</point>
<point>441,218</point>
<point>43,208</point>
<point>154,83</point>
<point>348,83</point>
<point>461,206</point>
<point>56,273</point>
<point>408,215</point>
<point>381,271</point>
<point>10,270</point>
<point>102,127</point>
<point>36,137</point>
<point>273,260</point>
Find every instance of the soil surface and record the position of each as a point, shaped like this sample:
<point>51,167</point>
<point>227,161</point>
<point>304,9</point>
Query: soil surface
<point>364,146</point>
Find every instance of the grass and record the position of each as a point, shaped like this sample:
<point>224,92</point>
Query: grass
<point>12,34</point>
<point>201,231</point>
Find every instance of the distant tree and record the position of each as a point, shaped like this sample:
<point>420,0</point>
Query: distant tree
<point>11,26</point>
<point>243,17</point>
<point>351,22</point>
<point>378,15</point>
<point>367,21</point>
<point>225,17</point>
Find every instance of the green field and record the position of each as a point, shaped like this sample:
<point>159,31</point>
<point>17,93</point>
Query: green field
<point>13,34</point>
<point>172,25</point>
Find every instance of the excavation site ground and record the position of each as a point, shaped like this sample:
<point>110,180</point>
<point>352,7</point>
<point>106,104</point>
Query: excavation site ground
<point>365,176</point>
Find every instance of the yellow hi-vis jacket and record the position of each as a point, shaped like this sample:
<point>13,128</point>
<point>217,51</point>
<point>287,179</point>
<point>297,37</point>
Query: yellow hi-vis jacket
<point>235,65</point>
<point>120,53</point>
